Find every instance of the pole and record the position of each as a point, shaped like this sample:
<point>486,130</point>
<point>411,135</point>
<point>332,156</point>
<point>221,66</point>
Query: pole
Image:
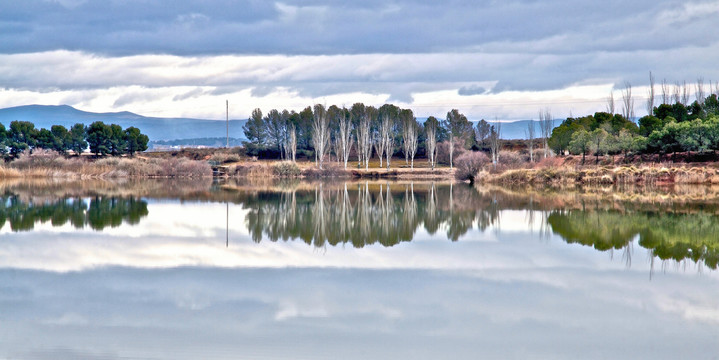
<point>227,109</point>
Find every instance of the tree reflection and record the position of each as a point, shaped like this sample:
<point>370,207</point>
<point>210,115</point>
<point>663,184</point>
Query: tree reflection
<point>366,213</point>
<point>97,212</point>
<point>668,236</point>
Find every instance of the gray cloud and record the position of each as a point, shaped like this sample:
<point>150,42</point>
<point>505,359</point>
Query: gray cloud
<point>335,27</point>
<point>471,90</point>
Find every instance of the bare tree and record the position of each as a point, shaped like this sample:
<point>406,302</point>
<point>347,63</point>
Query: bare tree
<point>685,93</point>
<point>364,134</point>
<point>677,95</point>
<point>665,92</point>
<point>610,103</point>
<point>530,140</point>
<point>344,135</point>
<point>650,95</point>
<point>495,136</point>
<point>410,134</point>
<point>291,144</point>
<point>386,137</point>
<point>546,124</point>
<point>699,93</point>
<point>320,133</point>
<point>430,128</point>
<point>379,145</point>
<point>627,101</point>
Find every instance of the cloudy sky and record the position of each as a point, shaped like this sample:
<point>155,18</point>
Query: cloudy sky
<point>503,59</point>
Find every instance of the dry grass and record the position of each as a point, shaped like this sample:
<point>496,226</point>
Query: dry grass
<point>603,175</point>
<point>49,164</point>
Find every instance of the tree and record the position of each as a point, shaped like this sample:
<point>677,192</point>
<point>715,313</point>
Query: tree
<point>254,129</point>
<point>667,139</point>
<point>98,137</point>
<point>546,124</point>
<point>627,101</point>
<point>495,138</point>
<point>361,116</point>
<point>117,140</point>
<point>320,133</point>
<point>291,144</point>
<point>598,137</point>
<point>274,126</point>
<point>699,92</point>
<point>530,140</point>
<point>410,134</point>
<point>625,141</point>
<point>45,139</point>
<point>3,138</point>
<point>61,135</point>
<point>649,123</point>
<point>458,127</point>
<point>76,139</point>
<point>345,135</point>
<point>430,127</point>
<point>580,143</point>
<point>481,133</point>
<point>135,141</point>
<point>650,95</point>
<point>610,102</point>
<point>387,116</point>
<point>21,136</point>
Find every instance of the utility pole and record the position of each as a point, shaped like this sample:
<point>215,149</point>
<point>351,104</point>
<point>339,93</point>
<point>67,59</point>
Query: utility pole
<point>227,109</point>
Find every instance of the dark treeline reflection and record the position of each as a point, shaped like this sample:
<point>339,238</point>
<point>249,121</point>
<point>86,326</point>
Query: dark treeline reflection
<point>367,213</point>
<point>668,236</point>
<point>96,212</point>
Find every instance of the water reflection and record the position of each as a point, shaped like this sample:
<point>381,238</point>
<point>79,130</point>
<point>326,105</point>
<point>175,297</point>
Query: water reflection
<point>668,236</point>
<point>97,212</point>
<point>366,213</point>
<point>673,224</point>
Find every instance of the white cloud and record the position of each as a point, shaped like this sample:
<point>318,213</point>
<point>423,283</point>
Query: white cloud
<point>431,84</point>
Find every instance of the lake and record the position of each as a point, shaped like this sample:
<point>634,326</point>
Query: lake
<point>356,270</point>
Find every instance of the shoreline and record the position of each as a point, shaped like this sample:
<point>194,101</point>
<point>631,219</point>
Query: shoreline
<point>626,174</point>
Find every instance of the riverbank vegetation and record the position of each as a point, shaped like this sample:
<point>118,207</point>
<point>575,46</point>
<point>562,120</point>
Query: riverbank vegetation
<point>102,139</point>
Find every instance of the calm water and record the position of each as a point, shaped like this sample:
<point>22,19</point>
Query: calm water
<point>186,270</point>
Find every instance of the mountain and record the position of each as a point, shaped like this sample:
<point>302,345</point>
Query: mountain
<point>517,129</point>
<point>44,116</point>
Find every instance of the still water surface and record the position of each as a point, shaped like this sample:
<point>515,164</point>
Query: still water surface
<point>173,270</point>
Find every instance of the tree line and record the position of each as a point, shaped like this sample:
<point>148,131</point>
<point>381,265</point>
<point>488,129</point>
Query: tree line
<point>102,139</point>
<point>362,132</point>
<point>671,128</point>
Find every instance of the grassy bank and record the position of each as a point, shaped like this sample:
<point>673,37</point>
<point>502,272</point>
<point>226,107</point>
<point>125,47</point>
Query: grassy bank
<point>50,164</point>
<point>309,170</point>
<point>597,175</point>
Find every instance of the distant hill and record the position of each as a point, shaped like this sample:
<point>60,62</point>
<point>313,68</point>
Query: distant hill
<point>44,116</point>
<point>517,129</point>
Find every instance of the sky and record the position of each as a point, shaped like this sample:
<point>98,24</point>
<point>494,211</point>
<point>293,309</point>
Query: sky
<point>489,59</point>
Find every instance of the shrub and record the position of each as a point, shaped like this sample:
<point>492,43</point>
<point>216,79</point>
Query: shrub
<point>443,151</point>
<point>39,158</point>
<point>223,158</point>
<point>469,164</point>
<point>511,159</point>
<point>286,169</point>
